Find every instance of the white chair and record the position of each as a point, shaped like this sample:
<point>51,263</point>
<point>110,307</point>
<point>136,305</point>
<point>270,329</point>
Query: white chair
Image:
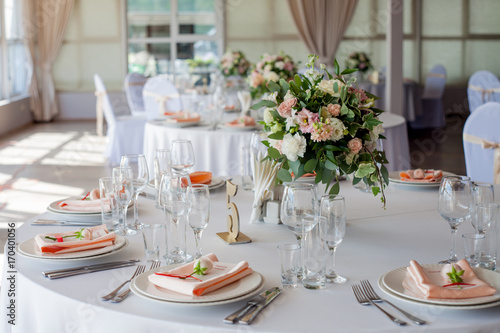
<point>125,134</point>
<point>483,87</point>
<point>160,96</point>
<point>133,86</point>
<point>432,106</point>
<point>481,139</point>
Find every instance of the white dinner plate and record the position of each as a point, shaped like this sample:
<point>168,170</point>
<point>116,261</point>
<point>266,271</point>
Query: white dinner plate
<point>245,287</point>
<point>393,282</point>
<point>28,248</point>
<point>215,183</point>
<point>166,122</point>
<point>237,128</point>
<point>54,207</point>
<point>395,178</point>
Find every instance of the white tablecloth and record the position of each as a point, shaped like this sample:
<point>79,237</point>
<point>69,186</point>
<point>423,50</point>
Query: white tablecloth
<point>377,241</point>
<point>216,151</point>
<point>396,147</point>
<point>411,100</point>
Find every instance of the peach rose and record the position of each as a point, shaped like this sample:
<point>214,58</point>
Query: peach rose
<point>355,145</point>
<point>285,108</point>
<point>257,79</point>
<point>333,109</point>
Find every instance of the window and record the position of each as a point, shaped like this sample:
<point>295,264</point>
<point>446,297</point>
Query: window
<point>13,69</point>
<point>165,36</point>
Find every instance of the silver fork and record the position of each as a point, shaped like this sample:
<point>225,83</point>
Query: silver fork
<point>372,295</point>
<point>120,297</point>
<point>363,300</point>
<point>139,270</point>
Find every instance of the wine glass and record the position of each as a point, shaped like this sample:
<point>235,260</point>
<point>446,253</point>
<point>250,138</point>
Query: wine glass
<point>123,190</point>
<point>455,206</point>
<point>199,212</point>
<point>333,209</point>
<point>298,201</point>
<point>140,177</point>
<point>173,199</point>
<point>485,215</point>
<point>483,193</point>
<point>181,155</point>
<point>219,100</point>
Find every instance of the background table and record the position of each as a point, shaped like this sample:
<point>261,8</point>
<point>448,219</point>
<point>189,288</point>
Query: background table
<point>396,147</point>
<point>216,151</point>
<point>377,241</point>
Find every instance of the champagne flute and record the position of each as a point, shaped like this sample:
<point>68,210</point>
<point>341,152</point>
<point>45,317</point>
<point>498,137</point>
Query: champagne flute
<point>140,177</point>
<point>199,212</point>
<point>181,155</point>
<point>455,206</point>
<point>298,201</point>
<point>333,209</point>
<point>173,199</point>
<point>123,190</point>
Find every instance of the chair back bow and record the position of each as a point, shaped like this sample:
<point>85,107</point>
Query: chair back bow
<point>161,99</point>
<point>486,144</point>
<point>99,112</point>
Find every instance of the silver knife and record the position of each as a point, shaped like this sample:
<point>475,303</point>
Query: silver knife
<point>112,263</point>
<point>88,270</point>
<point>63,222</point>
<point>250,316</point>
<point>261,298</point>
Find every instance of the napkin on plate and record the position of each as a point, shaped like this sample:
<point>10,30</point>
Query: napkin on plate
<point>201,177</point>
<point>91,203</point>
<point>221,275</point>
<point>242,121</point>
<point>420,175</point>
<point>65,242</point>
<point>429,284</point>
<point>185,118</point>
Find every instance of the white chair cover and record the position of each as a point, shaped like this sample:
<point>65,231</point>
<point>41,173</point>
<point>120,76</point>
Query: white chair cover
<point>483,87</point>
<point>160,95</point>
<point>133,86</point>
<point>432,107</point>
<point>125,134</point>
<point>482,143</point>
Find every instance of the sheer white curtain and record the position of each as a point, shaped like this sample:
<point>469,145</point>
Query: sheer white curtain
<point>45,23</point>
<point>321,24</point>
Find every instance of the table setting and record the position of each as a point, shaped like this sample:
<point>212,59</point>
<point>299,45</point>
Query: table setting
<point>301,248</point>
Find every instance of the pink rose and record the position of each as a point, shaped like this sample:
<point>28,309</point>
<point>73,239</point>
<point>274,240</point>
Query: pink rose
<point>257,79</point>
<point>306,120</point>
<point>333,109</point>
<point>285,108</point>
<point>355,145</point>
<point>288,66</point>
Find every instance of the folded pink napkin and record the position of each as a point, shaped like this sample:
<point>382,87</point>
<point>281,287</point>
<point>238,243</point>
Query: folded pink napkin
<point>221,275</point>
<point>431,284</point>
<point>242,121</point>
<point>74,241</point>
<point>90,203</point>
<point>184,118</point>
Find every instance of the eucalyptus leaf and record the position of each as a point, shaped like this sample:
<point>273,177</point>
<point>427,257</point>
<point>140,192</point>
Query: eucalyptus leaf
<point>336,67</point>
<point>263,103</point>
<point>349,71</point>
<point>277,135</point>
<point>273,153</point>
<point>284,175</point>
<point>273,86</point>
<point>310,165</point>
<point>335,189</point>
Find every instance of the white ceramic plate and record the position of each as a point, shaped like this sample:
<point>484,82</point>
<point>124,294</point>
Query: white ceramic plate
<point>393,282</point>
<point>28,249</point>
<point>54,207</point>
<point>396,179</point>
<point>245,287</point>
<point>215,183</point>
<point>179,124</point>
<point>237,129</point>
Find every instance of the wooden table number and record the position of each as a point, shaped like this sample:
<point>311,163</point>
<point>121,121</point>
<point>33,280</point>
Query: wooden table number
<point>233,236</point>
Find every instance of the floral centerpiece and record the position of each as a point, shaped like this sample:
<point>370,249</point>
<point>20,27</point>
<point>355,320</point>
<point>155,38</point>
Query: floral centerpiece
<point>271,68</point>
<point>359,61</point>
<point>234,63</point>
<point>327,127</point>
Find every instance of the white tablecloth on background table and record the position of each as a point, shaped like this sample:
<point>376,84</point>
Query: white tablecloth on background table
<point>411,101</point>
<point>216,151</point>
<point>376,242</point>
<point>396,147</point>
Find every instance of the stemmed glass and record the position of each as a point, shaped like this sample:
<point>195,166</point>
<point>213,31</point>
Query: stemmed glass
<point>455,206</point>
<point>199,212</point>
<point>140,177</point>
<point>123,190</point>
<point>173,199</point>
<point>219,100</point>
<point>181,155</point>
<point>333,209</point>
<point>485,215</point>
<point>298,201</point>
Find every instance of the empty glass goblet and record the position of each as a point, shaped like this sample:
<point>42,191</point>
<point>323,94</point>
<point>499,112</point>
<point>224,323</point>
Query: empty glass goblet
<point>455,206</point>
<point>181,155</point>
<point>123,190</point>
<point>199,212</point>
<point>299,200</point>
<point>140,177</point>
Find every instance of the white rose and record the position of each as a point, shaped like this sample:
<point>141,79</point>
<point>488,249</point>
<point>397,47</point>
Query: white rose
<point>327,87</point>
<point>268,117</point>
<point>291,121</point>
<point>338,129</point>
<point>279,65</point>
<point>272,76</point>
<point>377,130</point>
<point>294,146</point>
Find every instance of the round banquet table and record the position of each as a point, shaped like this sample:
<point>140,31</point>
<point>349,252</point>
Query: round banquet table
<point>396,147</point>
<point>216,151</point>
<point>376,241</point>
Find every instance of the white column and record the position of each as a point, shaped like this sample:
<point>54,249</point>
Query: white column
<point>394,92</point>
